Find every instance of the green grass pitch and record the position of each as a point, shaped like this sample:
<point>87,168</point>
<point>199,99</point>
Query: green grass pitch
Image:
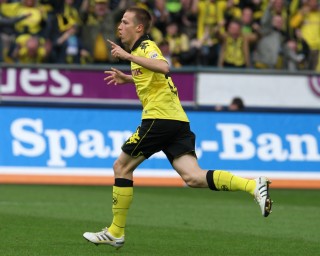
<point>49,220</point>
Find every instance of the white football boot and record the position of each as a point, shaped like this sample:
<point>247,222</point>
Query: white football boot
<point>104,237</point>
<point>261,195</point>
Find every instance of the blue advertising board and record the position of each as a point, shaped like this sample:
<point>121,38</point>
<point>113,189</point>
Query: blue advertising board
<point>92,138</point>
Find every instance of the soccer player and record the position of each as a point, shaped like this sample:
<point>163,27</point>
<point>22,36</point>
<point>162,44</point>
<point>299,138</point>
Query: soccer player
<point>165,126</point>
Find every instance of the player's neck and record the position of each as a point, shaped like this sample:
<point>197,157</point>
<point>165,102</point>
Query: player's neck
<point>137,40</point>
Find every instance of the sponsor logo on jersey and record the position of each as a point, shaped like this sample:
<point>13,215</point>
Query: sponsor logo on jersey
<point>136,72</point>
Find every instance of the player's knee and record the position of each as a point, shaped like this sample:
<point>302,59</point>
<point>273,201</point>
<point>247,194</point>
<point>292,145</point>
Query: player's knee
<point>118,168</point>
<point>121,169</point>
<point>191,180</point>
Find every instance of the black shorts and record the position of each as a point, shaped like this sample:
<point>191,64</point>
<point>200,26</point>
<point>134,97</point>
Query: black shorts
<point>173,137</point>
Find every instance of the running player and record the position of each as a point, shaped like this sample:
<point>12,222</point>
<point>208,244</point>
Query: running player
<point>165,126</point>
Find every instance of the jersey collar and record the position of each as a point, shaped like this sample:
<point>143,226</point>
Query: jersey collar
<point>138,42</point>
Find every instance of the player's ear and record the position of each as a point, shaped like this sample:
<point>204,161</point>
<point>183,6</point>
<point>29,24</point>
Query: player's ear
<point>140,28</point>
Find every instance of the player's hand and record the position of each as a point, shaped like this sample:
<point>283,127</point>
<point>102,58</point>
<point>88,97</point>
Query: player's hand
<point>115,76</point>
<point>117,52</point>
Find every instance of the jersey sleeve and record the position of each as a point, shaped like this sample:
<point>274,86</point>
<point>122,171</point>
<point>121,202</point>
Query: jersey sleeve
<point>153,52</point>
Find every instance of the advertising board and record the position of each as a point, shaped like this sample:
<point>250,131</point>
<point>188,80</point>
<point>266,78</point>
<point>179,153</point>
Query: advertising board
<point>77,86</point>
<point>69,145</point>
<point>259,90</point>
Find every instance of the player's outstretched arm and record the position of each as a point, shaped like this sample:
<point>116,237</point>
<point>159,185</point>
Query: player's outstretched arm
<point>115,76</point>
<point>159,66</point>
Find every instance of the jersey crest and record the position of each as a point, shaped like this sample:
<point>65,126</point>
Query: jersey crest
<point>143,46</point>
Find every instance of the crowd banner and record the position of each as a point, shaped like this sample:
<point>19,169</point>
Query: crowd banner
<point>63,85</point>
<point>79,146</point>
<point>260,90</point>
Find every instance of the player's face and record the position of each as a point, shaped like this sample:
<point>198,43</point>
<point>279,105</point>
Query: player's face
<point>127,29</point>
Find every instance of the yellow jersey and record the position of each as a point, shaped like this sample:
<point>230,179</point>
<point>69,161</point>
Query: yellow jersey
<point>310,30</point>
<point>156,91</point>
<point>234,51</point>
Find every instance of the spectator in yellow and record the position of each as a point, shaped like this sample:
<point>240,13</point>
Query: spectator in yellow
<point>178,44</point>
<point>30,50</point>
<point>97,27</point>
<point>209,13</point>
<point>72,12</point>
<point>307,20</point>
<point>234,51</point>
<point>32,24</point>
<point>7,34</point>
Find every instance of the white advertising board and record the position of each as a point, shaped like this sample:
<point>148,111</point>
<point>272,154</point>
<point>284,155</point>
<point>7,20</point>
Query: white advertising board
<point>259,90</point>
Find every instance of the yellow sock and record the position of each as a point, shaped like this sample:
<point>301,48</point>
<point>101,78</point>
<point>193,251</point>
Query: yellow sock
<point>224,180</point>
<point>122,198</point>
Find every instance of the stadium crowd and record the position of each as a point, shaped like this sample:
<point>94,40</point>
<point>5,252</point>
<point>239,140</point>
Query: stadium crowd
<point>261,34</point>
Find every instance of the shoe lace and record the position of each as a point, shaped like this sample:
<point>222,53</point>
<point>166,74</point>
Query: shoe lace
<point>104,230</point>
